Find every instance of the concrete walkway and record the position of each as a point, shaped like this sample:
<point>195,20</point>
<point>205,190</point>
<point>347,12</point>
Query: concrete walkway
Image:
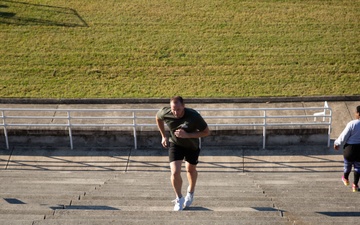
<point>241,185</point>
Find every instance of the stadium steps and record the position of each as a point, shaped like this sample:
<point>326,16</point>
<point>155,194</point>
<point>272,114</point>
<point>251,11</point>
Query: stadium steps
<point>267,195</point>
<point>84,197</point>
<point>311,198</point>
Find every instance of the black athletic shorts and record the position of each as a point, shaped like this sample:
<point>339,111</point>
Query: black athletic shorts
<point>177,152</point>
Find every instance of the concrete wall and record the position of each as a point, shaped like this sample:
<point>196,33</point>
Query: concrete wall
<point>152,139</point>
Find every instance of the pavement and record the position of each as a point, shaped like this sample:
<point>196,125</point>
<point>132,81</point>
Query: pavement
<point>293,184</point>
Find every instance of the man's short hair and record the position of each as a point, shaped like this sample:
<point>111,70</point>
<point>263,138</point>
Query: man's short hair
<point>176,99</point>
<point>358,109</point>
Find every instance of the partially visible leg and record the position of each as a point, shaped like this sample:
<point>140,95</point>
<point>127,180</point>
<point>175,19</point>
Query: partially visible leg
<point>192,175</point>
<point>356,173</point>
<point>356,164</point>
<point>347,168</point>
<point>355,186</point>
<point>176,180</point>
<point>348,160</point>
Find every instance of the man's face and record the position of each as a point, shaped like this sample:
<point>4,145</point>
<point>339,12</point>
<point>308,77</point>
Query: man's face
<point>177,109</point>
<point>357,115</point>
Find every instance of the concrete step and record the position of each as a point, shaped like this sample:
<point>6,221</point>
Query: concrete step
<point>39,196</point>
<point>314,200</point>
<point>44,174</point>
<point>331,220</point>
<point>323,207</point>
<point>103,214</point>
<point>28,210</point>
<point>158,196</point>
<point>50,201</point>
<point>45,191</point>
<point>15,222</point>
<point>318,195</point>
<point>329,194</point>
<point>55,181</point>
<point>323,220</point>
<point>168,193</point>
<point>209,203</point>
<point>50,185</point>
<point>29,217</point>
<point>169,220</point>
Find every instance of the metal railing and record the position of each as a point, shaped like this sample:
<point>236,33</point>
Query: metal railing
<point>133,119</point>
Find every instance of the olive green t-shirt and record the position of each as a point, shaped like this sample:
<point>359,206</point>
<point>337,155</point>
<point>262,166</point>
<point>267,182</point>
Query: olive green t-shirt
<point>191,121</point>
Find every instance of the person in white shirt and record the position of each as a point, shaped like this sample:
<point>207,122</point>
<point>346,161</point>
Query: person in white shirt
<point>350,138</point>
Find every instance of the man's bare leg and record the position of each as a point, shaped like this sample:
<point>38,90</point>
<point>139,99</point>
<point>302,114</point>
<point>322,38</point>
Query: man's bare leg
<point>192,175</point>
<point>176,180</point>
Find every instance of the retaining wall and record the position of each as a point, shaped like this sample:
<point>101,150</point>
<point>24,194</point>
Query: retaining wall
<point>152,138</point>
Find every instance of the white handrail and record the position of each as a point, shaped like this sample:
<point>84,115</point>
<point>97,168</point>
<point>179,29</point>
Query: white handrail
<point>69,119</point>
<point>326,106</point>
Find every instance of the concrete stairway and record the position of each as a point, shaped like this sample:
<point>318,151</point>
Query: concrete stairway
<point>85,197</point>
<point>295,185</point>
<point>31,195</point>
<point>311,198</point>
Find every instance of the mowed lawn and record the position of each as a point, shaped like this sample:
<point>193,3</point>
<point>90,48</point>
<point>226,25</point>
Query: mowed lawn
<point>193,48</point>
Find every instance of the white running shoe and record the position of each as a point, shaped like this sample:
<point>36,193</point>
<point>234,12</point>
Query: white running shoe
<point>189,198</point>
<point>179,204</point>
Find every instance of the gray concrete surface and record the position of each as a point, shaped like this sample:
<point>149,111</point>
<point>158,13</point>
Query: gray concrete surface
<point>295,184</point>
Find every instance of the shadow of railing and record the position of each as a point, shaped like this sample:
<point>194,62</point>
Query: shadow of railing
<point>156,160</point>
<point>340,214</point>
<point>24,13</point>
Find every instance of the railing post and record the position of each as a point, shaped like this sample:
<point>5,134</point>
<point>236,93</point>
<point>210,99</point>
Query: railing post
<point>70,133</point>
<point>264,130</point>
<point>134,130</point>
<point>329,129</point>
<point>5,130</point>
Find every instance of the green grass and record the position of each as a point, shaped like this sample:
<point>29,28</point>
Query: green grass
<point>160,48</point>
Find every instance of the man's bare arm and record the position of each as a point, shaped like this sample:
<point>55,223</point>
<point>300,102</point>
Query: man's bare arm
<point>161,126</point>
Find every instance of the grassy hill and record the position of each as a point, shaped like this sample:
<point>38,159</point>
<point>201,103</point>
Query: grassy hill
<point>194,48</point>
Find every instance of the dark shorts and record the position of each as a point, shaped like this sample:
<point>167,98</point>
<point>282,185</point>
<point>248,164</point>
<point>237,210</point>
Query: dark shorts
<point>177,152</point>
